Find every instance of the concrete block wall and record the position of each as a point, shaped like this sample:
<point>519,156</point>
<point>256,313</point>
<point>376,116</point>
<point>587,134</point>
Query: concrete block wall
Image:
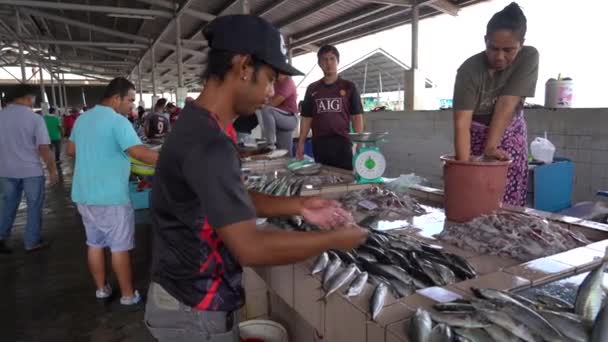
<point>418,138</point>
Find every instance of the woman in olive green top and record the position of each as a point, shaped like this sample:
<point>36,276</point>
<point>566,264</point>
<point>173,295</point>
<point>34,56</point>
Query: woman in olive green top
<point>489,99</point>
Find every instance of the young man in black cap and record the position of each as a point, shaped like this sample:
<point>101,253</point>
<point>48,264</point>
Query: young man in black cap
<point>330,105</point>
<point>203,218</point>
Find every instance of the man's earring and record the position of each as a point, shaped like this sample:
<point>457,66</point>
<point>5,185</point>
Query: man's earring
<point>244,78</point>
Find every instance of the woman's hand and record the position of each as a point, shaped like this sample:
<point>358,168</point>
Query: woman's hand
<point>496,153</point>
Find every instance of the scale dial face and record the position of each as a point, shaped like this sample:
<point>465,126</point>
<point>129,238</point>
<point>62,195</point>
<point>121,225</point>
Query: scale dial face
<point>370,164</point>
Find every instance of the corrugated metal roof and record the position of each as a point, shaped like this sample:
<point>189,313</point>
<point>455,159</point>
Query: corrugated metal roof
<point>107,38</point>
<point>377,72</point>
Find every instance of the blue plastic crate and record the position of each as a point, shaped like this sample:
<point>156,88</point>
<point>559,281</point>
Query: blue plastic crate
<point>552,185</point>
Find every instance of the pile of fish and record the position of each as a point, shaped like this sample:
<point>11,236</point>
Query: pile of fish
<point>502,316</point>
<point>288,184</point>
<point>398,264</point>
<point>518,236</point>
<point>382,203</point>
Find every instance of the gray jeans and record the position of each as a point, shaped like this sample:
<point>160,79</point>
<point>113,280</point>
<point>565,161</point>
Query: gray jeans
<point>171,321</point>
<point>278,127</point>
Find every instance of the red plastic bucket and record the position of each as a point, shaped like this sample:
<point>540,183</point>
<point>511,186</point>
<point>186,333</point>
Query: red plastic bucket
<point>472,188</point>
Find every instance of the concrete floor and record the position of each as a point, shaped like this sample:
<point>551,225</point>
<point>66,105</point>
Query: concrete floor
<point>50,296</point>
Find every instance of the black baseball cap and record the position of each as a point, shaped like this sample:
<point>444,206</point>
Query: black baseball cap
<point>249,34</point>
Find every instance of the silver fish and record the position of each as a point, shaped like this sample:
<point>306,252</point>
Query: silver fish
<point>330,270</point>
<point>339,279</point>
<point>499,334</point>
<point>446,274</point>
<point>378,299</point>
<point>421,326</point>
<point>461,319</point>
<point>503,320</point>
<point>535,322</point>
<point>357,285</point>
<point>320,263</point>
<point>474,335</point>
<point>431,272</point>
<point>403,289</point>
<point>550,300</point>
<point>441,333</point>
<point>575,330</point>
<point>600,327</point>
<point>590,294</point>
<point>453,307</point>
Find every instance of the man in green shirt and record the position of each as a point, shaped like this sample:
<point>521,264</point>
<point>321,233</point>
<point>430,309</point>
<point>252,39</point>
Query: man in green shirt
<point>53,125</point>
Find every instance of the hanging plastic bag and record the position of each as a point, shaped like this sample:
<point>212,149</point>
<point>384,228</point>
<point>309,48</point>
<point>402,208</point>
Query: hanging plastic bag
<point>542,150</point>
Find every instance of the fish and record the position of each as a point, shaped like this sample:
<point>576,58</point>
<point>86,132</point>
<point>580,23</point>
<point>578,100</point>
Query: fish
<point>461,320</point>
<point>339,279</point>
<point>432,273</point>
<point>330,270</point>
<point>378,299</point>
<point>402,289</point>
<point>494,294</point>
<point>590,294</point>
<point>421,326</point>
<point>474,335</point>
<point>357,285</point>
<point>366,256</point>
<point>320,263</point>
<point>445,273</point>
<point>453,307</point>
<point>503,320</point>
<point>345,257</point>
<point>499,334</point>
<point>600,326</point>
<point>555,302</point>
<point>574,329</point>
<point>519,236</point>
<point>533,320</point>
<point>441,333</point>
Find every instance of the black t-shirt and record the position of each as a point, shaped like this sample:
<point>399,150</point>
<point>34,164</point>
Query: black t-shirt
<point>197,188</point>
<point>330,106</point>
<point>158,125</point>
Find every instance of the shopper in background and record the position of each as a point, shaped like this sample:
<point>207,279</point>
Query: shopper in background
<point>24,141</point>
<point>330,106</point>
<point>489,99</point>
<point>102,142</point>
<point>53,125</point>
<point>279,117</point>
<point>203,217</point>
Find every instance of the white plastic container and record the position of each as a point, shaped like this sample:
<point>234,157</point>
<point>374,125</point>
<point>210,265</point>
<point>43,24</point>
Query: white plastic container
<point>267,331</point>
<point>559,93</point>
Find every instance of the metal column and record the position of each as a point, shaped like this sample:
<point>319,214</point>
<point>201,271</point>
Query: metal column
<point>21,58</point>
<point>153,56</point>
<point>178,43</point>
<point>61,104</point>
<point>141,95</point>
<point>65,93</point>
<point>364,79</point>
<point>290,51</point>
<point>245,7</point>
<point>52,80</point>
<point>415,20</point>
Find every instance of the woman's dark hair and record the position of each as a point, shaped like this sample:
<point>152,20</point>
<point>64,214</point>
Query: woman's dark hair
<point>119,86</point>
<point>328,49</point>
<point>219,63</point>
<point>511,18</point>
<point>170,105</point>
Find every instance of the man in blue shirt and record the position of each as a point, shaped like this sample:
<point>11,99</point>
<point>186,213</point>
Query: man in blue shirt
<point>24,141</point>
<point>102,141</point>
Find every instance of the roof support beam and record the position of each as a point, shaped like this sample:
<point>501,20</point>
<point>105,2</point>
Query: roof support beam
<point>442,5</point>
<point>341,21</point>
<point>172,6</point>
<point>301,15</point>
<point>270,7</point>
<point>77,23</point>
<point>88,8</point>
<point>87,43</point>
<point>380,16</point>
<point>402,3</point>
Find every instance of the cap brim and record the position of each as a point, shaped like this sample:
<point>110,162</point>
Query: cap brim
<point>287,69</point>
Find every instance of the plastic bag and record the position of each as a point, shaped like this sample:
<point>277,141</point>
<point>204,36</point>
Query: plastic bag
<point>542,150</point>
<point>403,182</point>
